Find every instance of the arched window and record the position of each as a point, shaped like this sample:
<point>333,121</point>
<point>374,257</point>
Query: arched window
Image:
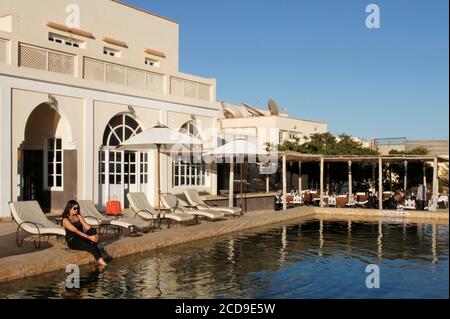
<point>119,129</point>
<point>121,172</point>
<point>192,172</point>
<point>191,128</point>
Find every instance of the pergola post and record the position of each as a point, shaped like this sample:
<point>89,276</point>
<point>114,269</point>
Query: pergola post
<point>300,178</point>
<point>380,183</point>
<point>435,185</point>
<point>231,186</point>
<point>405,181</point>
<point>284,184</point>
<point>350,181</point>
<point>321,181</point>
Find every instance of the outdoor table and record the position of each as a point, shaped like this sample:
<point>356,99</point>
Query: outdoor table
<point>162,212</point>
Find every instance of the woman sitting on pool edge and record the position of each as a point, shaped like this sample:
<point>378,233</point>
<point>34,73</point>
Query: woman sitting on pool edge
<point>76,237</point>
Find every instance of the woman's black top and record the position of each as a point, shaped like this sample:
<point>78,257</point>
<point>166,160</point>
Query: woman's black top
<point>71,235</point>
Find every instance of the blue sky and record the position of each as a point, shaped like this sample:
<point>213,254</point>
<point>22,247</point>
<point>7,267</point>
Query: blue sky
<point>318,59</point>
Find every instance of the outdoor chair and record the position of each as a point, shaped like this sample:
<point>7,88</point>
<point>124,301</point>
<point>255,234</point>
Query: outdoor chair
<point>298,198</point>
<point>442,201</point>
<point>30,218</point>
<point>143,209</point>
<point>94,218</point>
<point>175,204</point>
<point>351,202</point>
<point>194,199</point>
<point>410,204</point>
<point>362,199</point>
<point>332,202</point>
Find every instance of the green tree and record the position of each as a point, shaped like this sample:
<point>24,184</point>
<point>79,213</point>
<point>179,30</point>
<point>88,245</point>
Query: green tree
<point>416,151</point>
<point>415,170</point>
<point>328,144</point>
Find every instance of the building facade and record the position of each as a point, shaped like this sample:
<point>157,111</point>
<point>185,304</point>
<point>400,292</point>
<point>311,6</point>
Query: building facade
<point>79,77</point>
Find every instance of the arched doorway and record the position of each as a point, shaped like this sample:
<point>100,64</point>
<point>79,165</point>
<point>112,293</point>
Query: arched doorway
<point>121,172</point>
<point>48,160</point>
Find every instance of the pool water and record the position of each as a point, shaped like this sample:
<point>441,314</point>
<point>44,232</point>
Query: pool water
<point>305,259</point>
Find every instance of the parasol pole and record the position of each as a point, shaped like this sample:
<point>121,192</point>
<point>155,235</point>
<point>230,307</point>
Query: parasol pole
<point>158,146</point>
<point>242,199</point>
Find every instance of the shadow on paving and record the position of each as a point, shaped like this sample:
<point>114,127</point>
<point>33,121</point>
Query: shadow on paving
<point>8,245</point>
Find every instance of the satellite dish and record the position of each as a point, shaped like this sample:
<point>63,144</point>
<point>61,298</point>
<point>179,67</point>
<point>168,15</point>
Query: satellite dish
<point>231,111</point>
<point>273,108</point>
<point>252,110</point>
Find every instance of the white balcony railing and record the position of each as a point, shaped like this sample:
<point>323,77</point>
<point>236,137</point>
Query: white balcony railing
<point>37,58</point>
<point>46,60</point>
<point>3,51</point>
<point>118,74</point>
<point>190,89</point>
<point>145,80</point>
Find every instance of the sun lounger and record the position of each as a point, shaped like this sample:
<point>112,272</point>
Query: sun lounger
<point>94,218</point>
<point>31,219</point>
<point>143,209</point>
<point>194,199</point>
<point>177,205</point>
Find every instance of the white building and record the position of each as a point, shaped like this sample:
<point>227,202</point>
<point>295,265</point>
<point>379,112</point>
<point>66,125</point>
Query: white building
<point>77,78</point>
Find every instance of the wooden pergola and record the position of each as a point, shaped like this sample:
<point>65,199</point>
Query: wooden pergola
<point>290,156</point>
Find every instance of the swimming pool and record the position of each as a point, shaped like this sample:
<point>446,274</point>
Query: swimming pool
<point>305,259</point>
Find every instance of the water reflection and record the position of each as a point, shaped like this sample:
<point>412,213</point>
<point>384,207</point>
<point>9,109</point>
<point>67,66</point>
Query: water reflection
<point>433,244</point>
<point>321,241</point>
<point>283,245</point>
<point>290,261</point>
<point>380,240</point>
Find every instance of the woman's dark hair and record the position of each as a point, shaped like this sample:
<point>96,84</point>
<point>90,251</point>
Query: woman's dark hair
<point>70,204</point>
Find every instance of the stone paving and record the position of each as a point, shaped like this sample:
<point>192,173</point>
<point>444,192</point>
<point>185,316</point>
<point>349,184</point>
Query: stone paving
<point>16,263</point>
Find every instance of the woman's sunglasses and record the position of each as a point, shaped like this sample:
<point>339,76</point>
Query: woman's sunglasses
<point>77,209</point>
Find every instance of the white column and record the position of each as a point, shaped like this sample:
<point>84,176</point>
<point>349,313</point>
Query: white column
<point>284,184</point>
<point>380,183</point>
<point>435,186</point>
<point>300,178</point>
<point>231,187</point>
<point>164,160</point>
<point>405,181</point>
<point>88,172</point>
<point>321,181</point>
<point>5,151</point>
<point>267,183</point>
<point>350,181</point>
<point>424,172</point>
